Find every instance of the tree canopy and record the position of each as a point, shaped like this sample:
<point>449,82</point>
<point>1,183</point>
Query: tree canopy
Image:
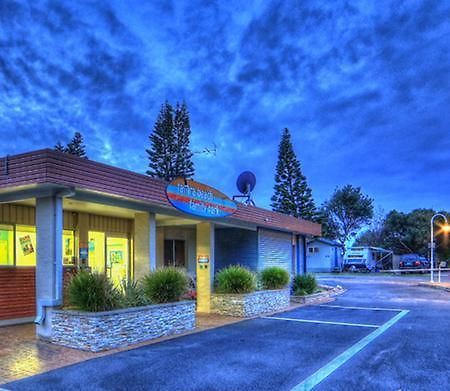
<point>347,211</point>
<point>170,155</point>
<point>75,147</point>
<point>406,233</point>
<point>292,195</point>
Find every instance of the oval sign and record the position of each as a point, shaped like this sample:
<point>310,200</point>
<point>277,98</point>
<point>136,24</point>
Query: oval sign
<point>198,199</point>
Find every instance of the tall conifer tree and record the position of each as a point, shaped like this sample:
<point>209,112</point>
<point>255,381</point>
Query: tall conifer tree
<point>292,194</point>
<point>162,150</point>
<point>76,146</point>
<point>170,154</point>
<point>183,165</point>
<point>59,147</point>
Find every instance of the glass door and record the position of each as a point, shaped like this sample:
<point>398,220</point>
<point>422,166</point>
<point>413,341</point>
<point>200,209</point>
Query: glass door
<point>117,258</point>
<point>96,255</point>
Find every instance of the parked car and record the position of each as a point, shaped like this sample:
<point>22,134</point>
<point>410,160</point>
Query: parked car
<point>413,262</point>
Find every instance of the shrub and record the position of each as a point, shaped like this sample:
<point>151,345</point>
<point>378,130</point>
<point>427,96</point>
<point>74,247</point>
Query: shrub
<point>133,294</point>
<point>304,284</point>
<point>235,279</point>
<point>93,292</point>
<point>274,278</point>
<point>165,285</point>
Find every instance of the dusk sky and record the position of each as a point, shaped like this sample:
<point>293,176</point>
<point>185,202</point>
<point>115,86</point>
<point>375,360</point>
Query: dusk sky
<point>363,86</point>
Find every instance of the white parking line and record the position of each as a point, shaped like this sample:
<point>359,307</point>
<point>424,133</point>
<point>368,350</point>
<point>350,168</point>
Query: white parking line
<point>322,322</point>
<point>310,382</point>
<point>362,308</point>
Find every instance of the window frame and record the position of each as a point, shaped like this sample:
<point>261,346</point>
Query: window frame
<point>14,230</point>
<point>14,245</point>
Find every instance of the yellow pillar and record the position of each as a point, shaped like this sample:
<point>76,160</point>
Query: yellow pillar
<point>205,265</point>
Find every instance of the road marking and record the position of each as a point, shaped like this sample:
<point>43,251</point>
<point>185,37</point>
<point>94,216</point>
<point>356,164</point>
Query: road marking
<point>362,308</point>
<point>322,322</point>
<point>310,382</point>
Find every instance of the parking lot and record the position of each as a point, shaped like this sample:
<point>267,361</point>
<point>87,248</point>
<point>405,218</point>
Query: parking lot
<point>380,335</point>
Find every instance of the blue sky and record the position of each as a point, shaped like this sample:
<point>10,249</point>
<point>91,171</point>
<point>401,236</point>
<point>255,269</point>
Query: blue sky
<point>363,86</point>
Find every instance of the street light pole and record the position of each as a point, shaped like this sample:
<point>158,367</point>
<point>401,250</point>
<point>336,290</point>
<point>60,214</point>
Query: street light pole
<point>432,242</point>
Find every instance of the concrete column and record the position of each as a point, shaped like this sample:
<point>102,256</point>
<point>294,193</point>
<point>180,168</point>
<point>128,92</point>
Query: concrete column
<point>144,244</point>
<point>49,270</point>
<point>152,223</point>
<point>205,271</point>
<point>301,254</point>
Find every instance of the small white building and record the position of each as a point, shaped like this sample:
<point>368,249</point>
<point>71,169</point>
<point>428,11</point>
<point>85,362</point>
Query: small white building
<point>324,255</point>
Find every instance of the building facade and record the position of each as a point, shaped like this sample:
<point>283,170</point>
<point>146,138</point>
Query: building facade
<point>324,255</point>
<point>59,212</point>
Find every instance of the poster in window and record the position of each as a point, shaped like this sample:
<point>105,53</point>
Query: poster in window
<point>116,256</point>
<point>68,247</point>
<point>26,245</point>
<point>91,245</point>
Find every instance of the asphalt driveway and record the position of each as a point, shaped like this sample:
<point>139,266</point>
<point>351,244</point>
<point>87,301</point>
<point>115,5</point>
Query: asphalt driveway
<point>380,335</point>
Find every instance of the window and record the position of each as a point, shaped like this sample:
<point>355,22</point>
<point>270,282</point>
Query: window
<point>310,250</point>
<point>174,253</point>
<point>96,255</point>
<point>68,247</point>
<point>6,245</point>
<point>316,249</point>
<point>25,245</point>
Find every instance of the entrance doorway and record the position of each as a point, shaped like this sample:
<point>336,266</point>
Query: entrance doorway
<point>117,259</point>
<point>110,255</point>
<point>174,253</point>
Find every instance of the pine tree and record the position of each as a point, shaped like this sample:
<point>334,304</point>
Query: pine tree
<point>163,147</point>
<point>59,147</point>
<point>292,194</point>
<point>76,146</point>
<point>183,165</point>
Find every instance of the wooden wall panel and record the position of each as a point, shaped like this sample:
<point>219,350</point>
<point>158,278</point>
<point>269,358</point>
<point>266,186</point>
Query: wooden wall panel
<point>110,224</point>
<point>17,214</point>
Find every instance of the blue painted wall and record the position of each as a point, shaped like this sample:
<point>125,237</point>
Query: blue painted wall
<point>236,246</point>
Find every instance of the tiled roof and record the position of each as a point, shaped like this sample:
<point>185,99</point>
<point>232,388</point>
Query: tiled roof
<point>50,167</point>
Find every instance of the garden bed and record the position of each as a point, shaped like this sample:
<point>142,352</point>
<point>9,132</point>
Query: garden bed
<point>97,331</point>
<point>250,304</point>
<point>327,293</point>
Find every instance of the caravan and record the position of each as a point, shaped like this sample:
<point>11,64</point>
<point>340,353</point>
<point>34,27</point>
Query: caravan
<point>367,259</point>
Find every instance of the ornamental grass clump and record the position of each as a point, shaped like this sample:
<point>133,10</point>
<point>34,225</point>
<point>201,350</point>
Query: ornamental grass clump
<point>93,292</point>
<point>133,294</point>
<point>235,279</point>
<point>165,285</point>
<point>274,278</point>
<point>304,284</point>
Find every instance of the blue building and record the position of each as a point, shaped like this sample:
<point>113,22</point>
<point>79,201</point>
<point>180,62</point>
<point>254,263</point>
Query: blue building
<point>324,255</point>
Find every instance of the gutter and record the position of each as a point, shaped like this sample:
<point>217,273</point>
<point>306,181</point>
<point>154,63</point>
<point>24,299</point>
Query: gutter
<point>42,304</point>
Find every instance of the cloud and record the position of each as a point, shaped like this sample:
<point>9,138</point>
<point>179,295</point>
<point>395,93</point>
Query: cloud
<point>364,89</point>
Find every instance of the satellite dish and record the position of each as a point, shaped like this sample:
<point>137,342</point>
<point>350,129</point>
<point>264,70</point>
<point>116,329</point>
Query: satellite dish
<point>246,183</point>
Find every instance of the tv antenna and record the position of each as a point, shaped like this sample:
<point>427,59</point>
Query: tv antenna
<point>246,183</point>
<point>207,150</point>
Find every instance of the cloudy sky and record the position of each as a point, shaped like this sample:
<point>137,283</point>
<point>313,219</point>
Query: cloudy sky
<point>363,86</point>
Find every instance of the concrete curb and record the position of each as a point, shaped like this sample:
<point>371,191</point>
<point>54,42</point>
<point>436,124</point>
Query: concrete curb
<point>435,285</point>
<point>315,297</point>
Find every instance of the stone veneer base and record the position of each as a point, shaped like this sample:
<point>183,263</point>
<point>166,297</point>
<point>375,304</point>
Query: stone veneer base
<point>250,304</point>
<point>97,331</point>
